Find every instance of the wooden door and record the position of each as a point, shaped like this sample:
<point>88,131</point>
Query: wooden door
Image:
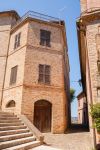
<point>42,116</point>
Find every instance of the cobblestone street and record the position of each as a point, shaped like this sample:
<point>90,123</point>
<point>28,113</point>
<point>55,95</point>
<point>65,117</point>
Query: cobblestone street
<point>71,141</point>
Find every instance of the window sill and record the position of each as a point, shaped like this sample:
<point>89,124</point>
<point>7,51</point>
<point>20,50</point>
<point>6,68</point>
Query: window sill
<point>12,85</point>
<point>44,84</point>
<point>45,46</point>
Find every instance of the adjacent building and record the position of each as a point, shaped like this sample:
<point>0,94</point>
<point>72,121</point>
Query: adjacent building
<point>82,109</point>
<point>88,28</point>
<point>34,69</point>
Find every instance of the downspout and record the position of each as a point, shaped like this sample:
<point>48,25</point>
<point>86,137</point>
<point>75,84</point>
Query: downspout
<point>5,66</point>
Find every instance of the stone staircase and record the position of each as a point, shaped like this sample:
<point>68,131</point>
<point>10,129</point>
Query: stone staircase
<point>14,134</point>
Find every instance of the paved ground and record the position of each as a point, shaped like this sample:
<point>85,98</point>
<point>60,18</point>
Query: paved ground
<point>71,141</point>
<point>77,139</point>
<point>45,148</point>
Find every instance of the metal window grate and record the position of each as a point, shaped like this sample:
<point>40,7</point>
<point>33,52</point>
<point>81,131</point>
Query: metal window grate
<point>43,17</point>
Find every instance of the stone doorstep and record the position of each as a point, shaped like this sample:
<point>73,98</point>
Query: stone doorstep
<point>43,147</point>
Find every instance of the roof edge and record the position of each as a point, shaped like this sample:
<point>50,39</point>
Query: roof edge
<point>11,12</point>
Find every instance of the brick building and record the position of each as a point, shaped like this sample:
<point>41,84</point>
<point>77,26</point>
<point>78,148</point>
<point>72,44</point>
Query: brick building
<point>34,69</point>
<point>88,28</point>
<point>82,109</point>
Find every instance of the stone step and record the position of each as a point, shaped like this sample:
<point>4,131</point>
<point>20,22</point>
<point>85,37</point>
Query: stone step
<point>12,127</point>
<point>12,143</point>
<point>10,132</point>
<point>11,124</point>
<point>15,136</point>
<point>25,146</point>
<point>9,121</point>
<point>9,118</point>
<point>7,115</point>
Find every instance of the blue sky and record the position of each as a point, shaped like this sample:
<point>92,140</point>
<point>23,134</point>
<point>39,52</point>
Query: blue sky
<point>68,10</point>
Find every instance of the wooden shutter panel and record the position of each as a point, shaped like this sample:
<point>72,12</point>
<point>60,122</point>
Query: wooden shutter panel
<point>41,73</point>
<point>42,35</point>
<point>44,74</point>
<point>13,75</point>
<point>17,40</point>
<point>19,35</point>
<point>48,33</point>
<point>45,37</point>
<point>47,74</point>
<point>47,70</point>
<point>15,44</point>
<point>98,63</point>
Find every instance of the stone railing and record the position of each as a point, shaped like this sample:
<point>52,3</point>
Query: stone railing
<point>32,128</point>
<point>36,15</point>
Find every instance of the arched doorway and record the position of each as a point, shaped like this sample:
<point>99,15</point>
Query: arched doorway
<point>42,115</point>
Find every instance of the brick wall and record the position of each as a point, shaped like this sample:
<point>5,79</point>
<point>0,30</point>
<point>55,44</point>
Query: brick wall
<point>93,4</point>
<point>88,5</point>
<point>5,26</point>
<point>28,56</point>
<point>83,4</point>
<point>15,57</point>
<point>92,45</point>
<point>33,91</point>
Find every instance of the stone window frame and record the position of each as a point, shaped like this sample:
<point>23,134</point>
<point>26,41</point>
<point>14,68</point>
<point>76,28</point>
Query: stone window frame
<point>45,38</point>
<point>13,75</point>
<point>44,74</point>
<point>17,40</point>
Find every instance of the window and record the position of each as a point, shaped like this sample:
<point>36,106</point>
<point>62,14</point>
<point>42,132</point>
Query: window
<point>45,38</point>
<point>11,104</point>
<point>44,74</point>
<point>13,75</point>
<point>17,40</point>
<point>98,63</point>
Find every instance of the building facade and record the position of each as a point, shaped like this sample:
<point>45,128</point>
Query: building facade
<point>88,28</point>
<point>34,69</point>
<point>82,109</point>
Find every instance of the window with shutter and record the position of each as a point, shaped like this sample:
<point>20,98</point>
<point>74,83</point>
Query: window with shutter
<point>45,38</point>
<point>47,74</point>
<point>44,74</point>
<point>98,63</point>
<point>13,76</point>
<point>41,73</point>
<point>17,40</point>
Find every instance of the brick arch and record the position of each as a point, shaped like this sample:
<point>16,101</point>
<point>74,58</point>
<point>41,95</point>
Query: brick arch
<point>42,98</point>
<point>36,101</point>
<point>11,103</point>
<point>43,115</point>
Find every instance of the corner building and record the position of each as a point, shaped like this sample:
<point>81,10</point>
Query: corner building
<point>88,28</point>
<point>35,69</point>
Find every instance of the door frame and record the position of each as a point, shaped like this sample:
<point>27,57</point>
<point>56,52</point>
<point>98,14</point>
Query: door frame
<point>43,105</point>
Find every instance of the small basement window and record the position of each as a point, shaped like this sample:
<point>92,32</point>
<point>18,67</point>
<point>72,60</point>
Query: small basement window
<point>11,104</point>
